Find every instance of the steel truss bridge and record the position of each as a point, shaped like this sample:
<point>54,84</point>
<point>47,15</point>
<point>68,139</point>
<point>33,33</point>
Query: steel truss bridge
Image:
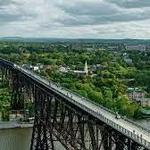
<point>64,116</point>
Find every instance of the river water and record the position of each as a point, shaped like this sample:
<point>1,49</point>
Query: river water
<point>15,139</point>
<point>18,139</point>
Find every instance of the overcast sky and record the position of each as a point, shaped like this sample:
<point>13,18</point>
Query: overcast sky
<point>75,18</point>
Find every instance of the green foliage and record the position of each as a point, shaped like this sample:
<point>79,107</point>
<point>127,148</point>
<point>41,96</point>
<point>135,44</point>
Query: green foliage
<point>108,87</point>
<point>5,115</point>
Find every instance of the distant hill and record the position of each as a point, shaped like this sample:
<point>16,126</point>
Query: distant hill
<point>61,40</point>
<point>21,39</point>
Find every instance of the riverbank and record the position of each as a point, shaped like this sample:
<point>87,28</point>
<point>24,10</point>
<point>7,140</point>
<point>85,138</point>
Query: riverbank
<point>14,124</point>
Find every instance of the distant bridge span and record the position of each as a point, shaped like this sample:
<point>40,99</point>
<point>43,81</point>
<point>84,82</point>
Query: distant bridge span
<point>77,123</point>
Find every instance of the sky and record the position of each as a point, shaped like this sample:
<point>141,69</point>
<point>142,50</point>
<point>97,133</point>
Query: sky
<point>75,18</point>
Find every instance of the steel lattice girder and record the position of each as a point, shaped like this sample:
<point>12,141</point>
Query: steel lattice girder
<point>58,119</point>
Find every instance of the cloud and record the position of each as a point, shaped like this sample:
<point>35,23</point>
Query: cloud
<point>89,8</point>
<point>99,12</point>
<point>75,18</point>
<point>124,30</point>
<point>6,2</point>
<point>13,11</point>
<point>131,3</point>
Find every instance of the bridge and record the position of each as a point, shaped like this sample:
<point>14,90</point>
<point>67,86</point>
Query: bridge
<point>64,116</point>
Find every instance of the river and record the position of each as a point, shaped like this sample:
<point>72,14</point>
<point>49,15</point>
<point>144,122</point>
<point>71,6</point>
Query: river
<point>18,139</point>
<point>15,139</point>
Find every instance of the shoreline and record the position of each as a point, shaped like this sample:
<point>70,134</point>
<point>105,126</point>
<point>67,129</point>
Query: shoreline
<point>14,125</point>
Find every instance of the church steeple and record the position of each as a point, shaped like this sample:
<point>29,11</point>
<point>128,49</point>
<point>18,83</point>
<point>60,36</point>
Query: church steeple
<point>86,68</point>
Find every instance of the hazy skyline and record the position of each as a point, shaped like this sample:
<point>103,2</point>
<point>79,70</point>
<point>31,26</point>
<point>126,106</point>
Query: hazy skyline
<point>75,18</point>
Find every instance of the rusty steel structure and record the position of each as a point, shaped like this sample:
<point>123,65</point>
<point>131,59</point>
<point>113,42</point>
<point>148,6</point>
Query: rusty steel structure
<point>57,119</point>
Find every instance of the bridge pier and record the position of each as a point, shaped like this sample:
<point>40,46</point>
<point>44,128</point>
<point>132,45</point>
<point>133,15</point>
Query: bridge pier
<point>17,97</point>
<point>42,138</point>
<point>120,142</point>
<point>92,135</point>
<point>106,137</point>
<point>81,124</point>
<point>134,146</point>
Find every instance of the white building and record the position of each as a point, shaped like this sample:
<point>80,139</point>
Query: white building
<point>63,69</point>
<point>145,102</point>
<point>35,68</point>
<point>80,72</point>
<point>84,72</point>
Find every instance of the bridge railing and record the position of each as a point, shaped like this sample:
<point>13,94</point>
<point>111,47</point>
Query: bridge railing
<point>116,126</point>
<point>130,134</point>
